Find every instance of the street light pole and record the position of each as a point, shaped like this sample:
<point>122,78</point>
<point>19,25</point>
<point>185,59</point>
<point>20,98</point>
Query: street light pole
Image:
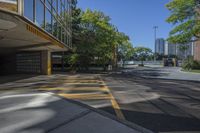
<point>155,37</point>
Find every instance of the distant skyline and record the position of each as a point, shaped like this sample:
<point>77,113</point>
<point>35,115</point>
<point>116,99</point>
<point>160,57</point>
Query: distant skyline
<point>135,18</point>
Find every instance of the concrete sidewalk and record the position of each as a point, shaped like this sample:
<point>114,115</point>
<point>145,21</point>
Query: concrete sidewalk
<point>36,112</point>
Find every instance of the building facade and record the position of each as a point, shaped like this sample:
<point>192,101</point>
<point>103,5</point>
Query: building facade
<point>181,53</point>
<point>160,46</point>
<point>172,49</point>
<point>176,50</point>
<point>30,31</point>
<point>197,50</point>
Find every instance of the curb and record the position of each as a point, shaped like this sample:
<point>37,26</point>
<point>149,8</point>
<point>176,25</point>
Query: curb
<point>124,122</point>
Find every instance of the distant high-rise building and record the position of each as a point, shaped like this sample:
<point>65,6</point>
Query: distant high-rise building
<point>166,48</point>
<point>160,46</point>
<point>172,49</point>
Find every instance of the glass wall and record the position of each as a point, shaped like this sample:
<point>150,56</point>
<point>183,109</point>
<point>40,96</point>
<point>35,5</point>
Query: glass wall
<point>54,16</point>
<point>28,6</point>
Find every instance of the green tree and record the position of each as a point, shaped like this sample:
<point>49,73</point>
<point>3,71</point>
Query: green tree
<point>125,51</point>
<point>142,53</point>
<point>184,16</point>
<point>184,48</point>
<point>95,39</point>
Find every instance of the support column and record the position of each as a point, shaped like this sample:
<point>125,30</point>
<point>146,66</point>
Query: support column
<point>20,7</point>
<point>46,62</point>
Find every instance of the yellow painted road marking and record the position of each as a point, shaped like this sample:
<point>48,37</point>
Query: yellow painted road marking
<point>89,96</point>
<point>113,101</point>
<point>72,89</point>
<point>85,96</point>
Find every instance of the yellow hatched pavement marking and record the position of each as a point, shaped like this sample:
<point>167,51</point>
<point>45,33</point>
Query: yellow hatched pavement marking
<point>108,96</point>
<point>113,101</point>
<point>74,89</point>
<point>84,96</point>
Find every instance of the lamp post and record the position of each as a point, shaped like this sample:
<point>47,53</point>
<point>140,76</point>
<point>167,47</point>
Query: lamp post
<point>155,36</point>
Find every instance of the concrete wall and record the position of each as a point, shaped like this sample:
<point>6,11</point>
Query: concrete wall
<point>9,65</point>
<point>197,51</point>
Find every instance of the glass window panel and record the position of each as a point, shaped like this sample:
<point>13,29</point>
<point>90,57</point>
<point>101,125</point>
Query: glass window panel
<point>48,4</point>
<point>67,40</point>
<point>54,27</point>
<point>66,4</point>
<point>59,7</point>
<point>54,4</point>
<point>63,36</point>
<point>63,11</point>
<point>59,32</point>
<point>28,9</point>
<point>39,13</point>
<point>48,25</point>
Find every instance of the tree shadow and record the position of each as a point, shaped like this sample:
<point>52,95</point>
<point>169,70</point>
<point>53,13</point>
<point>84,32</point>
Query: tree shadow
<point>175,109</point>
<point>15,77</point>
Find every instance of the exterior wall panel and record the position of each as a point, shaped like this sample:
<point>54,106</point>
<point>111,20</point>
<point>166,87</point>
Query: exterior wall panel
<point>197,51</point>
<point>28,62</point>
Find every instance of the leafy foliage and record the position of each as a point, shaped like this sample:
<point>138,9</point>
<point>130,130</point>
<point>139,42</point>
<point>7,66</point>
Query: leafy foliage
<point>191,64</point>
<point>185,16</point>
<point>142,53</point>
<point>125,51</point>
<point>95,39</point>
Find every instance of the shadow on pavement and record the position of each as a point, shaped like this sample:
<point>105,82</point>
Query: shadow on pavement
<point>145,72</point>
<point>12,78</point>
<point>43,113</point>
<point>162,122</point>
<point>176,107</point>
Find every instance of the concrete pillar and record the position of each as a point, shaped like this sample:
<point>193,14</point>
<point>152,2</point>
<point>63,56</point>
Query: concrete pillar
<point>46,62</point>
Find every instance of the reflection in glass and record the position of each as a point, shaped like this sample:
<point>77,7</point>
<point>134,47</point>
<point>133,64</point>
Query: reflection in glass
<point>39,14</point>
<point>59,7</point>
<point>53,16</point>
<point>59,32</point>
<point>48,25</point>
<point>28,9</point>
<point>54,27</point>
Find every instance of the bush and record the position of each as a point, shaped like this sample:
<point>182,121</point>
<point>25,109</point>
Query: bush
<point>190,64</point>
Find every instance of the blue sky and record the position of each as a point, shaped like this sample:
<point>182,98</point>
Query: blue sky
<point>136,18</point>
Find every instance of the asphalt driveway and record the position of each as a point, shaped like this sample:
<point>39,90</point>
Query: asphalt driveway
<point>160,105</point>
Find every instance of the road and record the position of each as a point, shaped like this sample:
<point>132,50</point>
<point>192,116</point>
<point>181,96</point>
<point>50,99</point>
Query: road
<point>161,105</point>
<point>158,105</point>
<point>161,73</point>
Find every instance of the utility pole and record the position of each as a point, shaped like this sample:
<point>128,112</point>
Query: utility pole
<point>155,37</point>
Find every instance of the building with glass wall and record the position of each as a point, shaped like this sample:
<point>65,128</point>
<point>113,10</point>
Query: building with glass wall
<point>160,46</point>
<point>30,30</point>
